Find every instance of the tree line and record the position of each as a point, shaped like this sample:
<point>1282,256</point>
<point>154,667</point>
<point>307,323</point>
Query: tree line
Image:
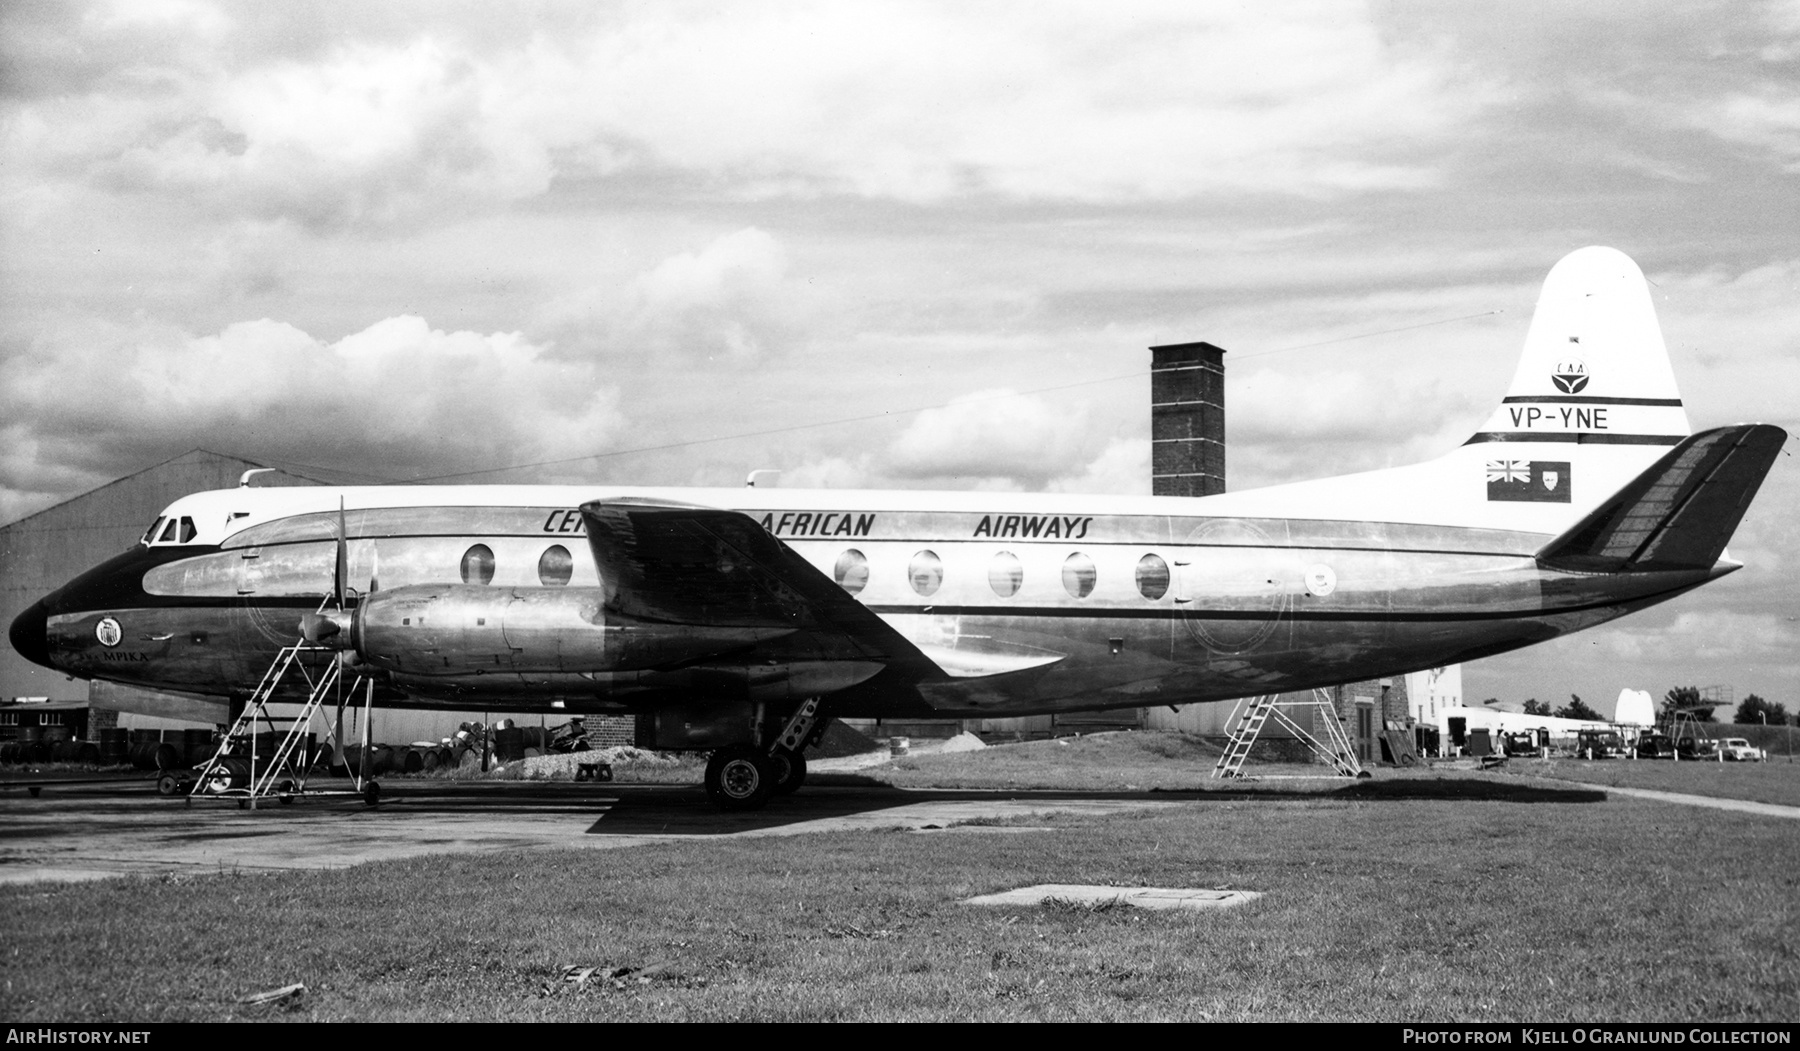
<point>1684,699</point>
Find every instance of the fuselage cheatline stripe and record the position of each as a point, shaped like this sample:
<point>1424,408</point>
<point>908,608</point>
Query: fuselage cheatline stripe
<point>1576,439</point>
<point>1584,399</point>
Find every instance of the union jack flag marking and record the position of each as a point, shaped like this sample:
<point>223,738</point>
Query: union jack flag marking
<point>1509,471</point>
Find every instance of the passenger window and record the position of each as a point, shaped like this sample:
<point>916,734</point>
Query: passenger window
<point>1005,574</point>
<point>851,571</point>
<point>1078,575</point>
<point>1152,577</point>
<point>555,567</point>
<point>478,565</point>
<point>926,571</point>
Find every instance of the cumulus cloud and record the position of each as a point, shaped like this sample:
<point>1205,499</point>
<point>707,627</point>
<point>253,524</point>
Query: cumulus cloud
<point>992,435</point>
<point>907,101</point>
<point>1288,423</point>
<point>1725,325</point>
<point>1722,634</point>
<point>831,472</point>
<point>1768,121</point>
<point>1122,468</point>
<point>731,298</point>
<point>398,399</point>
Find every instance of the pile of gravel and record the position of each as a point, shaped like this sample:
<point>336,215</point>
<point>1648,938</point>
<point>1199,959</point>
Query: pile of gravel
<point>561,767</point>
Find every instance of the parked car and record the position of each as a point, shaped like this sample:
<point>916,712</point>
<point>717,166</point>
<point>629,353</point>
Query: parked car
<point>1655,746</point>
<point>1697,748</point>
<point>1521,742</point>
<point>1599,744</point>
<point>1738,750</point>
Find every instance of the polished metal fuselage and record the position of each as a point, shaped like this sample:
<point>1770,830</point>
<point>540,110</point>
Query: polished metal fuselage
<point>1029,613</point>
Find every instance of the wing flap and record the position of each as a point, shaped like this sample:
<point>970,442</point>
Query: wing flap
<point>1679,513</point>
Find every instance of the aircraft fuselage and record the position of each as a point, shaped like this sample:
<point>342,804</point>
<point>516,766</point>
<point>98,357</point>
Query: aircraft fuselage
<point>488,599</point>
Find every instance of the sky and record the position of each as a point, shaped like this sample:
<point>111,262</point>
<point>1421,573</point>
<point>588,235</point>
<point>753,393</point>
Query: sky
<point>670,243</point>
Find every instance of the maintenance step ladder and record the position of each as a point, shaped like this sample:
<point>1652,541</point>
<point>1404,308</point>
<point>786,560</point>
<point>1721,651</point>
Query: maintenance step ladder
<point>1253,713</point>
<point>236,771</point>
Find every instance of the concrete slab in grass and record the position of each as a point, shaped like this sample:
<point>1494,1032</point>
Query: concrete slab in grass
<point>1142,897</point>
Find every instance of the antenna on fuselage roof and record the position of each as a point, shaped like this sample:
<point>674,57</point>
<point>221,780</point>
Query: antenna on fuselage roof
<point>771,474</point>
<point>244,479</point>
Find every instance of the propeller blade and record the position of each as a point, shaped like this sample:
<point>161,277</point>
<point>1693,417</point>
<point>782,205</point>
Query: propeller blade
<point>342,573</point>
<point>374,569</point>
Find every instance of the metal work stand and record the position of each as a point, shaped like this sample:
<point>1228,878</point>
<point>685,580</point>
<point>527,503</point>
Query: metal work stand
<point>1253,713</point>
<point>237,772</point>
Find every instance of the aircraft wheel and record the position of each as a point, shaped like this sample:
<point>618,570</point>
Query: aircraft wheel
<point>168,785</point>
<point>372,794</point>
<point>739,778</point>
<point>790,772</point>
<point>285,792</point>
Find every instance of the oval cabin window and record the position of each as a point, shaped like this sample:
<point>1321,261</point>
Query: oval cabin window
<point>1006,574</point>
<point>851,571</point>
<point>926,572</point>
<point>555,567</point>
<point>478,565</point>
<point>1152,577</point>
<point>1078,575</point>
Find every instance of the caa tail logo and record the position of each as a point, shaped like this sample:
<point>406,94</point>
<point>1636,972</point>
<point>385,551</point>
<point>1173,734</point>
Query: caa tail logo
<point>1570,376</point>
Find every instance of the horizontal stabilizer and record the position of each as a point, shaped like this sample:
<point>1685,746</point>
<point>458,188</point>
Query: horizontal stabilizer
<point>682,564</point>
<point>1679,513</point>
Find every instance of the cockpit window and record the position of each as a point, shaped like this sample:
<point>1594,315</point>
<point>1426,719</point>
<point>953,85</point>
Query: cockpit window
<point>172,531</point>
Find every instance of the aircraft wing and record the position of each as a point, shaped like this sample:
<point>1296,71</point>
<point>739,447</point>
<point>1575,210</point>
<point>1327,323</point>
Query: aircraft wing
<point>681,564</point>
<point>1679,513</point>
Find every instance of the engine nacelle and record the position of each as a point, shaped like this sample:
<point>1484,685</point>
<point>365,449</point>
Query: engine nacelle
<point>454,630</point>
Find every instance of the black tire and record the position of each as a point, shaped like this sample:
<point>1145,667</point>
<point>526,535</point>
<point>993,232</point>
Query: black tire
<point>227,774</point>
<point>739,778</point>
<point>790,772</point>
<point>372,793</point>
<point>285,793</point>
<point>168,785</point>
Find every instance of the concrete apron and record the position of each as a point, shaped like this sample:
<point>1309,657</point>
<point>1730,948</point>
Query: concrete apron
<point>94,833</point>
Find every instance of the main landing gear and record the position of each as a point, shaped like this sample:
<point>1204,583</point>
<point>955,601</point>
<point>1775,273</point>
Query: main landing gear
<point>743,777</point>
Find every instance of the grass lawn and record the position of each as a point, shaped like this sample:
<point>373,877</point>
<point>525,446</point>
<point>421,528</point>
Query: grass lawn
<point>1774,781</point>
<point>1418,897</point>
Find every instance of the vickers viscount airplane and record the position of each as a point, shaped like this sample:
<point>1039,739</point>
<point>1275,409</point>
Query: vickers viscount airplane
<point>720,616</point>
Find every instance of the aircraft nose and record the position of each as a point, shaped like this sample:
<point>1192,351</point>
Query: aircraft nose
<point>30,634</point>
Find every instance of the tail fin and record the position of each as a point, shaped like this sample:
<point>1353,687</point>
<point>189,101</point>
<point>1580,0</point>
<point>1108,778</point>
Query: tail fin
<point>1592,407</point>
<point>1594,370</point>
<point>1593,403</point>
<point>1677,515</point>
